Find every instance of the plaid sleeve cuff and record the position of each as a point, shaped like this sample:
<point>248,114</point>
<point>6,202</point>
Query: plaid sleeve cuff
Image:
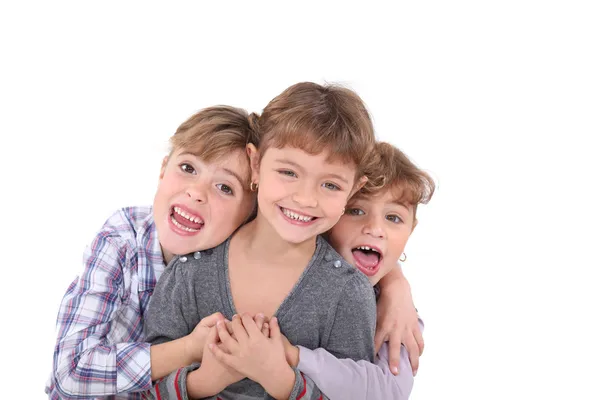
<point>133,367</point>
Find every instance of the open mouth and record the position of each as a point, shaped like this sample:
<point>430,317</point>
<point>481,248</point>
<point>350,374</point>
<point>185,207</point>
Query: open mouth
<point>367,258</point>
<point>185,220</point>
<point>297,217</point>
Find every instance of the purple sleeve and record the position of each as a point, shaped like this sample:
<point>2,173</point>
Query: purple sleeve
<point>348,379</point>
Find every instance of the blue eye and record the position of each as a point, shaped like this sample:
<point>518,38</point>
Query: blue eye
<point>355,211</point>
<point>187,168</point>
<point>225,189</point>
<point>394,218</point>
<point>331,186</point>
<point>287,172</point>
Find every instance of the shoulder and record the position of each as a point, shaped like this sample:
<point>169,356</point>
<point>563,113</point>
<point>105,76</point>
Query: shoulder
<point>118,240</point>
<point>127,225</point>
<point>200,261</point>
<point>335,267</point>
<point>351,287</point>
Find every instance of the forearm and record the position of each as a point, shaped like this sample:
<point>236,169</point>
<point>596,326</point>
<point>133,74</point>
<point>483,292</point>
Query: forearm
<point>173,386</point>
<point>124,367</point>
<point>393,278</point>
<point>303,387</point>
<point>282,385</point>
<point>345,378</point>
<point>168,357</point>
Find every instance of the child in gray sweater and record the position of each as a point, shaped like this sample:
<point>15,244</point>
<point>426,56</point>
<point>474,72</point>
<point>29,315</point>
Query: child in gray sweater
<point>313,153</point>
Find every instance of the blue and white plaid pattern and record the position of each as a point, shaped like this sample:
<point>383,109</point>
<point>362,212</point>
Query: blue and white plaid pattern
<point>99,350</point>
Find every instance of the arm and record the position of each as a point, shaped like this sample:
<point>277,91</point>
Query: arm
<point>85,362</point>
<point>344,378</point>
<point>397,320</point>
<point>173,386</point>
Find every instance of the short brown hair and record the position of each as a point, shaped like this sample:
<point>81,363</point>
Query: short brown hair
<point>391,169</point>
<point>318,118</point>
<point>214,132</point>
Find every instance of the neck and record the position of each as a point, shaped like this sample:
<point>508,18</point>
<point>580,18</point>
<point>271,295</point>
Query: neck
<point>259,240</point>
<point>167,257</point>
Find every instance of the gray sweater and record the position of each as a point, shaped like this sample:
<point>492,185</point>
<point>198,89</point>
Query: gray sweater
<point>331,306</point>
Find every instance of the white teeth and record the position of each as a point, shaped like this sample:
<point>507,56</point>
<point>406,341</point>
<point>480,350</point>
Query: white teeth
<point>187,216</point>
<point>367,248</point>
<point>185,228</point>
<point>295,216</point>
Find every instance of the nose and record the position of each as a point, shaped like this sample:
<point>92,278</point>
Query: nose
<point>305,196</point>
<point>373,227</point>
<point>197,193</point>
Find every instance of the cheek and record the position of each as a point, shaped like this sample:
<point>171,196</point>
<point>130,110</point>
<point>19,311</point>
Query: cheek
<point>333,205</point>
<point>228,213</point>
<point>340,232</point>
<point>169,184</point>
<point>397,242</point>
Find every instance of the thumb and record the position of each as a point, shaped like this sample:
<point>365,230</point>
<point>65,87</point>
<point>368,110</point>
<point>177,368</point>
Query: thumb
<point>212,319</point>
<point>213,336</point>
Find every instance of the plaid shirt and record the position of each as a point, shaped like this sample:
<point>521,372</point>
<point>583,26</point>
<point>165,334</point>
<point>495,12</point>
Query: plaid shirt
<point>99,351</point>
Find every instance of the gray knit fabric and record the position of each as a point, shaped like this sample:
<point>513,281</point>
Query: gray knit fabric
<point>331,306</point>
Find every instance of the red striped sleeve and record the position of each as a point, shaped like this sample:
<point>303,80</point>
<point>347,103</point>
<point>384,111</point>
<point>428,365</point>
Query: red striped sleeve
<point>303,392</point>
<point>177,386</point>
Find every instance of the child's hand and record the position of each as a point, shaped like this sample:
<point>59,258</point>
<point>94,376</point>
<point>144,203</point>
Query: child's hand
<point>196,340</point>
<point>397,322</point>
<point>256,356</point>
<point>292,353</point>
<point>212,376</point>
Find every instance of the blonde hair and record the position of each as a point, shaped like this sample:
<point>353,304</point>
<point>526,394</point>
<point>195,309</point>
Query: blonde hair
<point>391,169</point>
<point>214,132</point>
<point>318,118</point>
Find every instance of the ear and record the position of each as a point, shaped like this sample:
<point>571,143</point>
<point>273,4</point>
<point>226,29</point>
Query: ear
<point>163,167</point>
<point>358,185</point>
<point>254,156</point>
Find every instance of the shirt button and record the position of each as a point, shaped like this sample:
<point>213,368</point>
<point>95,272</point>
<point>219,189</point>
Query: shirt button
<point>197,255</point>
<point>337,263</point>
<point>183,259</point>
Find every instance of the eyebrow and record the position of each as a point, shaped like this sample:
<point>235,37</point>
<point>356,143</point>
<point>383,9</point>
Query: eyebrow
<point>400,203</point>
<point>235,175</point>
<point>331,175</point>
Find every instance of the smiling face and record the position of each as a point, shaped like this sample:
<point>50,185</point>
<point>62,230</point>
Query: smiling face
<point>371,235</point>
<point>198,205</point>
<point>300,195</point>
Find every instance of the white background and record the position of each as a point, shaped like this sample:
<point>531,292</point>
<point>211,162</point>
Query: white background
<point>498,100</point>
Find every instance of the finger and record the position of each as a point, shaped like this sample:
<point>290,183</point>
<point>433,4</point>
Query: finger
<point>224,349</point>
<point>213,336</point>
<point>212,319</point>
<point>380,337</point>
<point>221,356</point>
<point>230,343</point>
<point>420,341</point>
<point>250,325</point>
<point>259,319</point>
<point>394,346</point>
<point>413,354</point>
<point>274,329</point>
<point>265,330</point>
<point>229,327</point>
<point>238,330</point>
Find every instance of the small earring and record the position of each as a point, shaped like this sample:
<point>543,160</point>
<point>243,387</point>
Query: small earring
<point>402,259</point>
<point>253,186</point>
<point>343,210</point>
